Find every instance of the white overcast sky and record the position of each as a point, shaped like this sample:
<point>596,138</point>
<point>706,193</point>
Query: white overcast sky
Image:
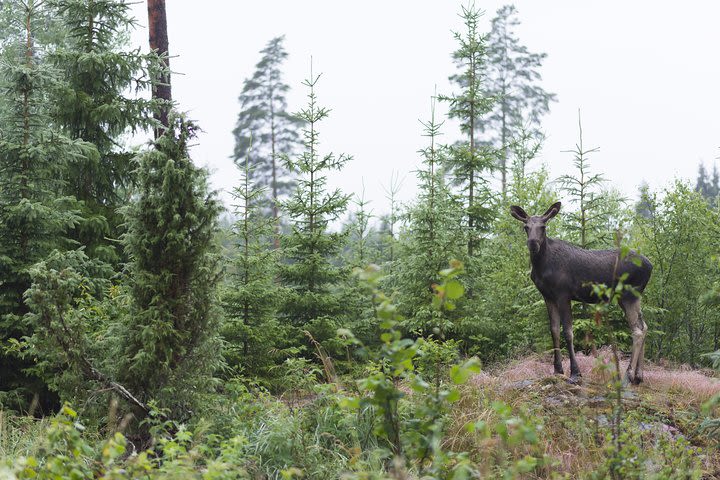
<point>644,73</point>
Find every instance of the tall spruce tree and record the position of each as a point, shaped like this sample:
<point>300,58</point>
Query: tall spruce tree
<point>95,104</point>
<point>171,345</point>
<point>265,122</point>
<point>252,333</point>
<point>433,238</point>
<point>470,159</point>
<point>309,272</point>
<point>512,76</point>
<point>34,215</point>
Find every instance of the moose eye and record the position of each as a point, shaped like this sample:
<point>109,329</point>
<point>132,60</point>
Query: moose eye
<point>526,228</point>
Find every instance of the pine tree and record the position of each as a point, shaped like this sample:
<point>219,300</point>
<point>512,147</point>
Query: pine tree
<point>265,122</point>
<point>251,331</point>
<point>160,77</point>
<point>701,184</point>
<point>309,272</point>
<point>171,344</point>
<point>433,238</point>
<point>512,76</point>
<point>94,104</point>
<point>34,215</point>
<point>470,159</point>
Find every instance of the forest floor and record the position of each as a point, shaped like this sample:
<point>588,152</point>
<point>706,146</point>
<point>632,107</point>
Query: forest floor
<point>576,419</point>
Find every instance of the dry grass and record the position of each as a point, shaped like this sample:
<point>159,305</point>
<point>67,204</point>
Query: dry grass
<point>572,415</point>
<point>697,385</point>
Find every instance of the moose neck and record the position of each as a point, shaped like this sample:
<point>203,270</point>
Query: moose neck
<point>536,259</point>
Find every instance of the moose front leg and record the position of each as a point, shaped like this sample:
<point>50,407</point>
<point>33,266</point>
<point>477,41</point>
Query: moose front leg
<point>567,324</point>
<point>554,315</point>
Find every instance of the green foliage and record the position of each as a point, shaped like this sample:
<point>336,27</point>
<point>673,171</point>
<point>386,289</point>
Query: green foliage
<point>633,457</point>
<point>711,408</point>
<point>170,341</point>
<point>35,215</point>
<point>680,238</point>
<point>74,310</point>
<point>413,423</point>
<point>94,103</point>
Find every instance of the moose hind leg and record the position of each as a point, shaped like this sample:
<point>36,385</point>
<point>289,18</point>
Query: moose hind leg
<point>641,349</point>
<point>554,315</point>
<point>567,324</point>
<point>637,330</point>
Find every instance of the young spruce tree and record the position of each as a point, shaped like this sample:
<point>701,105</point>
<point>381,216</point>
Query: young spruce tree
<point>95,104</point>
<point>470,159</point>
<point>309,273</point>
<point>34,214</point>
<point>171,341</point>
<point>433,238</point>
<point>265,123</point>
<point>590,224</point>
<point>251,331</point>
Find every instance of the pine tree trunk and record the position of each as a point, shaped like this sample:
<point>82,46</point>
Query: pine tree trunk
<point>157,22</point>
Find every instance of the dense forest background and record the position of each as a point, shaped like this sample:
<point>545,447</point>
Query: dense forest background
<point>150,331</point>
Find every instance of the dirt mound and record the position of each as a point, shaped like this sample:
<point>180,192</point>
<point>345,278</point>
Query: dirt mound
<point>536,371</point>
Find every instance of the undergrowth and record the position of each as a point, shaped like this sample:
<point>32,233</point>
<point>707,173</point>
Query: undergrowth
<point>418,410</point>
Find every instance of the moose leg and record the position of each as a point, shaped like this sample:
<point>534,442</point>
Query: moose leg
<point>637,329</point>
<point>641,355</point>
<point>566,318</point>
<point>554,315</point>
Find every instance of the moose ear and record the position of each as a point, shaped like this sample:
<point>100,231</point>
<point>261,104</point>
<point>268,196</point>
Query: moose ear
<point>518,213</point>
<point>552,211</point>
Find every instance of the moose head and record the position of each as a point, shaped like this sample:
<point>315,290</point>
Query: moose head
<point>535,225</point>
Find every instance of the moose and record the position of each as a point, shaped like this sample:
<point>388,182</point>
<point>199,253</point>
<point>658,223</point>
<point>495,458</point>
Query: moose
<point>563,272</point>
